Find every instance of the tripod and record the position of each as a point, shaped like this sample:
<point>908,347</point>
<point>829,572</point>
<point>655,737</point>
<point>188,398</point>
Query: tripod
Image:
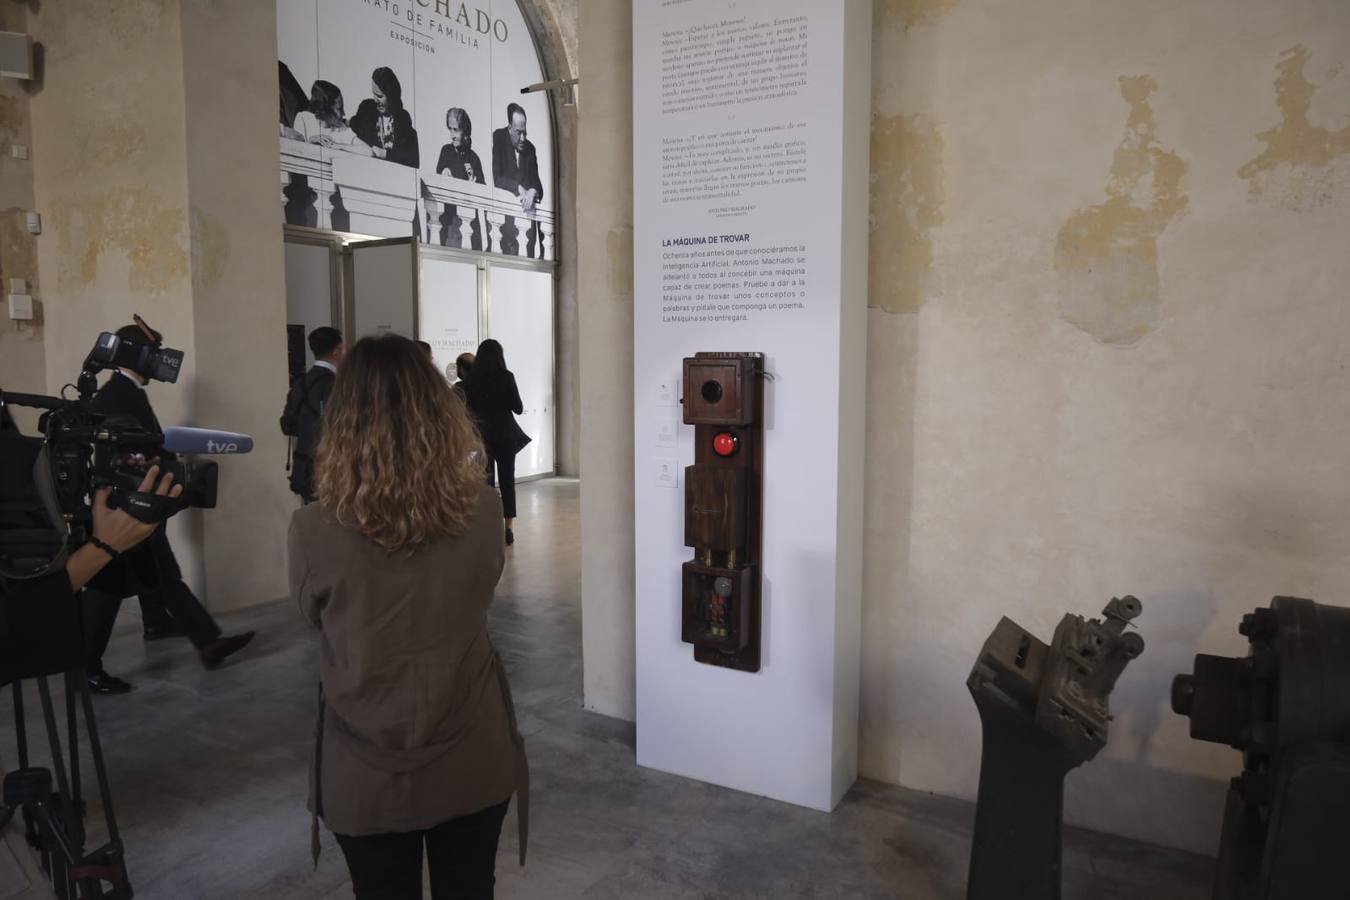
<point>54,820</point>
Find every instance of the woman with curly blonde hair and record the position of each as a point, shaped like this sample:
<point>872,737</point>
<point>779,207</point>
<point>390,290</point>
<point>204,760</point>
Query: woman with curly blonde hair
<point>417,744</point>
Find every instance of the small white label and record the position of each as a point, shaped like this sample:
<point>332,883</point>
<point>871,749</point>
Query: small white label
<point>667,471</point>
<point>667,433</point>
<point>18,286</point>
<point>18,151</point>
<point>665,393</point>
<point>21,306</point>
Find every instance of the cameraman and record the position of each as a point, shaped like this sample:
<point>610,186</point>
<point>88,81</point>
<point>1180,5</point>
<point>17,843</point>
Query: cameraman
<point>124,395</point>
<point>27,603</point>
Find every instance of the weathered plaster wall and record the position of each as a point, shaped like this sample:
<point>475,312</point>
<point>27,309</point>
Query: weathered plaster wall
<point>154,159</point>
<point>238,287</point>
<point>1105,355</point>
<point>605,290</point>
<point>21,350</point>
<point>110,180</point>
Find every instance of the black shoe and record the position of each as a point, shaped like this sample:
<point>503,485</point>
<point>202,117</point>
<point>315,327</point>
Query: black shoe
<point>103,683</point>
<point>510,537</point>
<point>160,632</point>
<point>215,653</point>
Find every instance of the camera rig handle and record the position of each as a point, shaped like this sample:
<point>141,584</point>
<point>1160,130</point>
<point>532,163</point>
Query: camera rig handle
<point>141,506</point>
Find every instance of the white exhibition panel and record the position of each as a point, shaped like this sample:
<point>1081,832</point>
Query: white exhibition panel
<point>750,129</point>
<point>383,289</point>
<point>309,288</point>
<point>447,314</point>
<point>520,317</point>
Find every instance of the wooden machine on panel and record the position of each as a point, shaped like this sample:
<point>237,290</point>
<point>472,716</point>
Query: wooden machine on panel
<point>723,503</point>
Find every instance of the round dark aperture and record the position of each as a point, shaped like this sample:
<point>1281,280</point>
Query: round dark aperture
<point>712,391</point>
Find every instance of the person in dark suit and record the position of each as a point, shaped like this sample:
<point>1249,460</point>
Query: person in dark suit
<point>124,396</point>
<point>304,406</point>
<point>515,168</point>
<point>458,160</point>
<point>494,401</point>
<point>383,123</point>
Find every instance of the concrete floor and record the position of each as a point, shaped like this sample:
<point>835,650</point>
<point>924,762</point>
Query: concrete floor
<point>209,779</point>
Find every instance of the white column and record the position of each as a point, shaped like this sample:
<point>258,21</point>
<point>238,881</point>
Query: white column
<point>790,730</point>
<point>431,218</point>
<point>466,216</point>
<point>523,225</point>
<point>546,236</point>
<point>495,221</point>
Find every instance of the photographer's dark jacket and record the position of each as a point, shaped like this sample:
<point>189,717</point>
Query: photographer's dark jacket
<point>39,617</point>
<point>318,384</point>
<point>153,563</point>
<point>416,723</point>
<point>122,396</point>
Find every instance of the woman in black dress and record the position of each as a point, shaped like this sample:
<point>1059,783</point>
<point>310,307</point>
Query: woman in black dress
<point>493,398</point>
<point>383,123</point>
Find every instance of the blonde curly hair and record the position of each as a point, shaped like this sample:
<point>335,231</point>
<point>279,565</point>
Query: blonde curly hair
<point>400,460</point>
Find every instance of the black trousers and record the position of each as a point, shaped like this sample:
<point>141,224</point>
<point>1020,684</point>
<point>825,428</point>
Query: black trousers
<point>461,857</point>
<point>503,461</point>
<point>100,608</point>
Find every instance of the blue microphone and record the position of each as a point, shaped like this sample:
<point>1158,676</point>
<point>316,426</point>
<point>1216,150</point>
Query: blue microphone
<point>182,439</point>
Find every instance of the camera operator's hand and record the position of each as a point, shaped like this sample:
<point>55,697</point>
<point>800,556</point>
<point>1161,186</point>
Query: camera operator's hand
<point>119,530</point>
<point>115,528</point>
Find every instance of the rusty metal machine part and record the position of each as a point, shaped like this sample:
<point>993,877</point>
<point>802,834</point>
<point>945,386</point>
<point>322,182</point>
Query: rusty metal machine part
<point>1286,707</point>
<point>1044,709</point>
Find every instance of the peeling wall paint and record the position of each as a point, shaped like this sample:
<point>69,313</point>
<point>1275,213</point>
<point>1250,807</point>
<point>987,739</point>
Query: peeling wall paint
<point>1303,163</point>
<point>110,144</point>
<point>906,208</point>
<point>1106,256</point>
<point>908,13</point>
<point>127,226</point>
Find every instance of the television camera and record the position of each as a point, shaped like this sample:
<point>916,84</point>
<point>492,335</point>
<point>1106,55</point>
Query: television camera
<point>47,487</point>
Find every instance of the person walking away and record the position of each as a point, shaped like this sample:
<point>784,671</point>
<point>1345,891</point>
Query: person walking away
<point>303,412</point>
<point>495,402</point>
<point>417,750</point>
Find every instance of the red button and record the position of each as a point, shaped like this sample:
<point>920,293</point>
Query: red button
<point>725,443</point>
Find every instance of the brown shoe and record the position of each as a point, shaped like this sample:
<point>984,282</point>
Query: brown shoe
<point>215,653</point>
